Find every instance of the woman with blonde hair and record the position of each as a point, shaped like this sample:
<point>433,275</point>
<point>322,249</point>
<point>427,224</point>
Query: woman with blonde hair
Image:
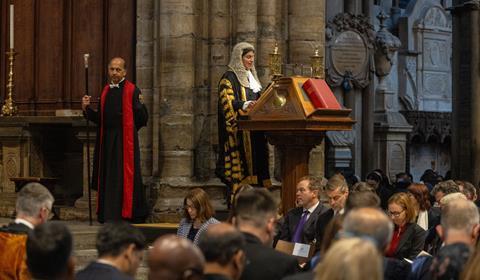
<point>408,237</point>
<point>197,215</point>
<point>351,259</point>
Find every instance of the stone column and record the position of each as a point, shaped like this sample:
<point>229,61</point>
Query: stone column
<point>246,21</point>
<point>144,78</point>
<point>175,77</point>
<point>220,27</point>
<point>306,30</point>
<point>466,91</point>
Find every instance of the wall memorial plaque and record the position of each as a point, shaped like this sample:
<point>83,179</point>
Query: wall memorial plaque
<point>349,53</point>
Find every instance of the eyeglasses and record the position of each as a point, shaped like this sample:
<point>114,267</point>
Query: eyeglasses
<point>395,214</point>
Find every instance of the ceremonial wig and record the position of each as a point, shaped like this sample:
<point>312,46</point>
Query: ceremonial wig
<point>236,64</point>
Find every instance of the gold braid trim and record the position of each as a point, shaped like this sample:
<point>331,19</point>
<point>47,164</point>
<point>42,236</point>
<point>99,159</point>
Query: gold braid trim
<point>233,166</point>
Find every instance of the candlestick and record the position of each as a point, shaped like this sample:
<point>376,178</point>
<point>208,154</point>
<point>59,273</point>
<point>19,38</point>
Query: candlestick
<point>9,108</point>
<point>11,26</point>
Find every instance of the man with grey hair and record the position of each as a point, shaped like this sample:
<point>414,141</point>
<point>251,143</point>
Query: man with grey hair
<point>33,207</point>
<point>254,215</point>
<point>441,189</point>
<point>459,230</point>
<point>374,225</point>
<point>299,223</point>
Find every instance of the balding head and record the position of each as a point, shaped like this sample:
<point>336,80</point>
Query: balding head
<point>173,257</point>
<point>371,223</point>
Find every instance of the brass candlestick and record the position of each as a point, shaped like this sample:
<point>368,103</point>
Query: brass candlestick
<point>9,108</point>
<point>275,63</point>
<point>317,65</point>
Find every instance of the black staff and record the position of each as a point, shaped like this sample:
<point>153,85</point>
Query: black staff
<point>85,58</point>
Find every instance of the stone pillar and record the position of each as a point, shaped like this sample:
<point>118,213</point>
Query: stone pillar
<point>144,79</point>
<point>466,91</point>
<point>306,30</point>
<point>175,77</point>
<point>219,37</point>
<point>246,21</point>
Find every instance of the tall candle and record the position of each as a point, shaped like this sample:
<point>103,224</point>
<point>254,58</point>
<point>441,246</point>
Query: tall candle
<point>11,26</point>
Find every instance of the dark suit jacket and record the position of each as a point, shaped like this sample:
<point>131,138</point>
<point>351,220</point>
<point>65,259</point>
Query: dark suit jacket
<point>322,222</point>
<point>293,217</point>
<point>309,275</point>
<point>16,228</point>
<point>265,263</point>
<point>99,271</point>
<point>411,242</point>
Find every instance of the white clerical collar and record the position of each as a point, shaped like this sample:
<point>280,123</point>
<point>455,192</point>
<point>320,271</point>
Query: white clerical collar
<point>25,222</point>
<point>113,85</point>
<point>254,84</point>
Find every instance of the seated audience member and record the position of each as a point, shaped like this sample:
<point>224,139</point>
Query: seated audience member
<point>337,192</point>
<point>408,237</point>
<point>350,259</point>
<point>255,216</point>
<point>49,252</point>
<point>120,251</point>
<point>362,199</point>
<point>175,258</point>
<point>362,187</point>
<point>402,181</point>
<point>374,224</point>
<point>427,216</point>
<point>299,223</point>
<point>223,247</point>
<point>441,189</point>
<point>33,207</point>
<point>197,215</point>
<point>380,184</point>
<point>468,189</point>
<point>459,230</point>
<point>451,197</point>
<point>429,178</point>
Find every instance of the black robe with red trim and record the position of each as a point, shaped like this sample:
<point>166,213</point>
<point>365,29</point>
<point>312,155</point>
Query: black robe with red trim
<point>116,167</point>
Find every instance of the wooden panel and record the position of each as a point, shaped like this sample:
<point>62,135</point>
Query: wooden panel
<point>121,29</point>
<point>51,38</point>
<point>49,54</point>
<point>25,47</point>
<point>87,37</point>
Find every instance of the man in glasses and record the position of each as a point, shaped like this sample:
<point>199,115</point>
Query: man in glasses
<point>33,207</point>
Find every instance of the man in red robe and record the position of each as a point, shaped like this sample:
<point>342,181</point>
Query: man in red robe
<point>116,167</point>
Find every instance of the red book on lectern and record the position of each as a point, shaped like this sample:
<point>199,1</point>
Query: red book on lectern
<point>320,94</point>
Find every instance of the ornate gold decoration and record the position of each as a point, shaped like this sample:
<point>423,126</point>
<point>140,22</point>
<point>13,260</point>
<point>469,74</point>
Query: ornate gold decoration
<point>275,63</point>
<point>316,61</point>
<point>9,108</point>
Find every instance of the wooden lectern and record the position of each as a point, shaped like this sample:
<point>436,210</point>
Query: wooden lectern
<point>295,126</point>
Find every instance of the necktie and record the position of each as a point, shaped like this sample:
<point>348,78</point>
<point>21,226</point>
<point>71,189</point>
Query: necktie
<point>297,236</point>
<point>114,86</point>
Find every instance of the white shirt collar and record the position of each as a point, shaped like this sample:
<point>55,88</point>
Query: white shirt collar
<point>112,84</point>
<point>25,222</point>
<point>254,84</point>
<point>311,209</point>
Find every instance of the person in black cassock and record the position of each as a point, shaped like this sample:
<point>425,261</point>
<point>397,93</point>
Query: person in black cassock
<point>243,155</point>
<point>116,167</point>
